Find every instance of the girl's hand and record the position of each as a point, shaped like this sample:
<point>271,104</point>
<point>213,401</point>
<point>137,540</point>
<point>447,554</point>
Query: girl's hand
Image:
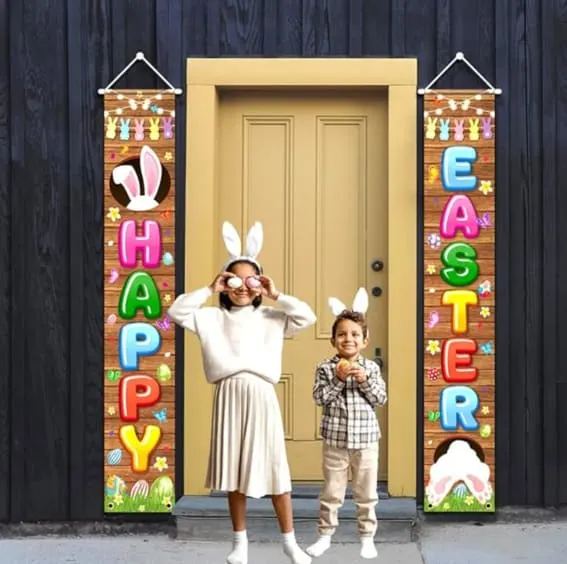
<point>219,283</point>
<point>268,288</point>
<point>358,373</point>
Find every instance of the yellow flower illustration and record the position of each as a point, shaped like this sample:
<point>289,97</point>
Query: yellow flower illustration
<point>485,410</point>
<point>433,347</point>
<point>142,508</point>
<point>111,411</point>
<point>161,463</point>
<point>485,187</point>
<point>166,501</point>
<point>469,500</point>
<point>485,312</point>
<point>113,214</point>
<point>446,506</point>
<point>431,269</point>
<point>168,156</point>
<point>167,298</point>
<point>118,500</point>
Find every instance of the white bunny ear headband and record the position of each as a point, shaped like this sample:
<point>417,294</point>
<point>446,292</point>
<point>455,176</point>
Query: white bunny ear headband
<point>359,304</point>
<point>254,241</point>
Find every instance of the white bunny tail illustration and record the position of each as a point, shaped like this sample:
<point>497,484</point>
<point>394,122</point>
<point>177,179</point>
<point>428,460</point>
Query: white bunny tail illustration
<point>127,177</point>
<point>254,240</point>
<point>360,302</point>
<point>231,240</point>
<point>337,307</point>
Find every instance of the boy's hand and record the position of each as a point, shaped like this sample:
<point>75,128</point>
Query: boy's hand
<point>358,373</point>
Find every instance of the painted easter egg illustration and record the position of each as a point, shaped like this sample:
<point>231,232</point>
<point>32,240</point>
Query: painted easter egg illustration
<point>485,431</point>
<point>162,487</point>
<point>163,373</point>
<point>114,457</point>
<point>234,283</point>
<point>115,486</point>
<point>140,489</point>
<point>167,259</point>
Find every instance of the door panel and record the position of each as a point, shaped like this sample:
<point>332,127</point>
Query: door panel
<point>312,167</point>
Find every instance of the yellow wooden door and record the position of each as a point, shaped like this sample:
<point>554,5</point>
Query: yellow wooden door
<point>312,167</point>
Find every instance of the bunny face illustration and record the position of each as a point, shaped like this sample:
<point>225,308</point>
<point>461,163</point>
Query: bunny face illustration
<point>430,128</point>
<point>140,184</point>
<point>487,128</point>
<point>473,129</point>
<point>167,127</point>
<point>349,334</point>
<point>139,125</point>
<point>459,127</point>
<point>124,129</point>
<point>154,129</point>
<point>444,130</point>
<point>111,128</point>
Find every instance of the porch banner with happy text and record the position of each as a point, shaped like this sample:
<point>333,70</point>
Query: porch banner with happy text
<point>139,284</point>
<point>459,301</point>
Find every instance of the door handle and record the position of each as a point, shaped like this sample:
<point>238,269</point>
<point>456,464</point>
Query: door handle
<point>378,357</point>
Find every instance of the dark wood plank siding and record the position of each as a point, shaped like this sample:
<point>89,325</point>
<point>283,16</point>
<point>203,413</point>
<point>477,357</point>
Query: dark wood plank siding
<point>55,55</point>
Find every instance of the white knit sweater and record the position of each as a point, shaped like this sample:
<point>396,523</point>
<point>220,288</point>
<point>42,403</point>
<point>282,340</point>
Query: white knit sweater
<point>243,339</point>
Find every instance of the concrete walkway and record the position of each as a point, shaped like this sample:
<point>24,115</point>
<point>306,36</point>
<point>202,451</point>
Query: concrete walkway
<point>438,544</point>
<point>162,550</point>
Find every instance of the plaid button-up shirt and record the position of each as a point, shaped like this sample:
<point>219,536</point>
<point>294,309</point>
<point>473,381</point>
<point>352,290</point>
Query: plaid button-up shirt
<point>349,419</point>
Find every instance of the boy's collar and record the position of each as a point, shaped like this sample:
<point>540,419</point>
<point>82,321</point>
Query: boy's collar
<point>360,359</point>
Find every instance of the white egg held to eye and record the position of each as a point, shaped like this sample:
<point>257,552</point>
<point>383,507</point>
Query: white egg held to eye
<point>234,283</point>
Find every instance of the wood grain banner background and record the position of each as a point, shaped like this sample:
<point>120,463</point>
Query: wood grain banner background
<point>459,301</point>
<point>139,284</point>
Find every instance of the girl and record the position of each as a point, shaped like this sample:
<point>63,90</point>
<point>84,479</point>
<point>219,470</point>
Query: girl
<point>242,343</point>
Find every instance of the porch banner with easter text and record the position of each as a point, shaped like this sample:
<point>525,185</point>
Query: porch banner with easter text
<point>139,284</point>
<point>459,301</point>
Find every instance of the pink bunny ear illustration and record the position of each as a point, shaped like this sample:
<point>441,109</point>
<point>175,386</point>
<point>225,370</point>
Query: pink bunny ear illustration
<point>254,240</point>
<point>151,171</point>
<point>126,175</point>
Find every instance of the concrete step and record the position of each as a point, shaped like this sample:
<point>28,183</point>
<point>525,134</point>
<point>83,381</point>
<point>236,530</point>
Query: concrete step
<point>207,518</point>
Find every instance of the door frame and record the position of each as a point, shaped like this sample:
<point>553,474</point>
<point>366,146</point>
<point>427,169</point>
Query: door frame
<point>205,78</point>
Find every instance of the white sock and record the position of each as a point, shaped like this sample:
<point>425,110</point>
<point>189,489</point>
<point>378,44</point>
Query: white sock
<point>323,543</point>
<point>239,554</point>
<point>293,551</point>
<point>367,548</point>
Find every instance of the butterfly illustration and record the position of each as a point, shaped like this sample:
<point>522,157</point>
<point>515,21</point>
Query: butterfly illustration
<point>433,415</point>
<point>154,108</point>
<point>161,415</point>
<point>486,348</point>
<point>433,319</point>
<point>484,221</point>
<point>113,375</point>
<point>164,324</point>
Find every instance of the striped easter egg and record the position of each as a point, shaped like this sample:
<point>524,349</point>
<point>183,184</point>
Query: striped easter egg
<point>140,489</point>
<point>114,457</point>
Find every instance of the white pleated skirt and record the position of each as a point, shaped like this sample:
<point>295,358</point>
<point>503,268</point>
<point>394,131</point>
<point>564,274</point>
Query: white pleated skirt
<point>247,451</point>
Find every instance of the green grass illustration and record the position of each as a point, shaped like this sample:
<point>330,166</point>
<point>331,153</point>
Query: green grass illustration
<point>126,504</point>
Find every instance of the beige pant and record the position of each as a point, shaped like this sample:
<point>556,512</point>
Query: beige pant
<point>363,464</point>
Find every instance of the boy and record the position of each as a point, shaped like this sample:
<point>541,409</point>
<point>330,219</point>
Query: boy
<point>349,387</point>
